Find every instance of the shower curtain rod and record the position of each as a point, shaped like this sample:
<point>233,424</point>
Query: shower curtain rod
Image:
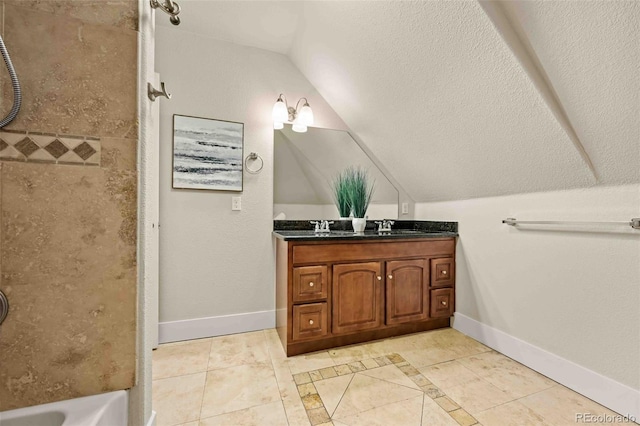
<point>634,222</point>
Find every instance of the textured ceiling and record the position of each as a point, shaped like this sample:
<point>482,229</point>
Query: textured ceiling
<point>442,100</point>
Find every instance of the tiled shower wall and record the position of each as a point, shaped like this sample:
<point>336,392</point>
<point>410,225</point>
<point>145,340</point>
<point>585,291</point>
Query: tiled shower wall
<point>68,200</point>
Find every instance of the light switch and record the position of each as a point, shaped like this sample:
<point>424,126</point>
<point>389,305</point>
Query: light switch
<point>236,203</point>
<point>405,208</point>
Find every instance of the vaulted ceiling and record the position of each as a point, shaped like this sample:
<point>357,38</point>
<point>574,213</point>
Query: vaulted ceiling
<point>464,99</point>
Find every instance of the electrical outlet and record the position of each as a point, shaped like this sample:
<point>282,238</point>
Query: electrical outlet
<point>236,203</point>
<point>405,208</point>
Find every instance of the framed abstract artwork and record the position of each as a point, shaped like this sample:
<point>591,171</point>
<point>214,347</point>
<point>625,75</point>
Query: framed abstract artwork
<point>207,153</point>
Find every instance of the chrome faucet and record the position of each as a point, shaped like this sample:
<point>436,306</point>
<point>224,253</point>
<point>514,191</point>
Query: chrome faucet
<point>384,225</point>
<point>321,225</point>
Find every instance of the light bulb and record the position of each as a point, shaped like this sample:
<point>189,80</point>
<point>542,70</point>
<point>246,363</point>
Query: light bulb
<point>278,126</point>
<point>280,113</point>
<point>298,126</point>
<point>306,115</point>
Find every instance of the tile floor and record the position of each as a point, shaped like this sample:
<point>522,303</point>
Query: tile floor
<point>439,377</point>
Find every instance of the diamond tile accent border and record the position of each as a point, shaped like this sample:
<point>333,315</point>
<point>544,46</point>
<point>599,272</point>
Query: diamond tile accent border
<point>318,415</point>
<point>37,147</point>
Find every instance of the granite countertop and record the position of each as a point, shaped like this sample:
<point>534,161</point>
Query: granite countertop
<point>302,230</point>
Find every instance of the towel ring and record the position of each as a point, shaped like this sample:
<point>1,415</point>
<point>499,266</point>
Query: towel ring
<point>253,157</point>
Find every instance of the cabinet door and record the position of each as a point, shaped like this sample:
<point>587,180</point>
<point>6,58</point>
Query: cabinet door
<point>357,297</point>
<point>407,291</point>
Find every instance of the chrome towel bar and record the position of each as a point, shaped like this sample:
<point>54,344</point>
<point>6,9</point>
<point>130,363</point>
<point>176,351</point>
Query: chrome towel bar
<point>511,221</point>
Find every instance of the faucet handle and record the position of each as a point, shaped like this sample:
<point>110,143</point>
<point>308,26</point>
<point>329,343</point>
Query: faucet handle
<point>326,223</point>
<point>318,224</point>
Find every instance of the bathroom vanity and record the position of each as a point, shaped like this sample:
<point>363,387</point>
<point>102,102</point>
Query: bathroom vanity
<point>341,288</point>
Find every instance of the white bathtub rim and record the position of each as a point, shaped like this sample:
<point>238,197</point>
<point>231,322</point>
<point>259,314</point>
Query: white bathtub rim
<point>84,411</point>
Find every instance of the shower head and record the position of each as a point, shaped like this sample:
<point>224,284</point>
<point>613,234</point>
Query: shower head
<point>174,20</point>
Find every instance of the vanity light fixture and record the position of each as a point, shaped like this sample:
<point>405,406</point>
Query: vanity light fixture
<point>300,119</point>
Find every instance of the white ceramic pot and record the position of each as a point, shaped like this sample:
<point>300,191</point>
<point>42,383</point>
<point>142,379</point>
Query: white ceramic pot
<point>359,223</point>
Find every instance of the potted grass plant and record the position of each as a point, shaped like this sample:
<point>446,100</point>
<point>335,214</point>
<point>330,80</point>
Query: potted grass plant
<point>360,189</point>
<point>340,187</point>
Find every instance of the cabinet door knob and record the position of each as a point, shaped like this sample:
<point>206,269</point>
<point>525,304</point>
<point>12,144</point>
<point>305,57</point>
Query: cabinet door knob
<point>390,277</point>
<point>311,284</point>
<point>379,278</point>
<point>311,322</point>
<point>444,272</point>
<point>444,303</point>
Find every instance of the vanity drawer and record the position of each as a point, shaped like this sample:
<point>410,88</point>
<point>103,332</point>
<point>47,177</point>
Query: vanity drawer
<point>442,303</point>
<point>442,272</point>
<point>310,283</point>
<point>310,320</point>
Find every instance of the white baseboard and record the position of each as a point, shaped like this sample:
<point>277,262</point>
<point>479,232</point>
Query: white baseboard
<point>152,419</point>
<point>605,391</point>
<point>198,328</point>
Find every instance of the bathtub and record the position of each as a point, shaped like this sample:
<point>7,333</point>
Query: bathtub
<point>107,409</point>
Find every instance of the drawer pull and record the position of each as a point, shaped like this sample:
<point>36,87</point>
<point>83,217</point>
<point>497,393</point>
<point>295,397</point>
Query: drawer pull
<point>444,303</point>
<point>311,284</point>
<point>390,277</point>
<point>379,278</point>
<point>444,272</point>
<point>310,322</point>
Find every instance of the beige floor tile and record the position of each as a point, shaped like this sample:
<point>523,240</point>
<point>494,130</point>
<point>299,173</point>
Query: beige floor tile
<point>463,417</point>
<point>191,424</point>
<point>271,414</point>
<point>281,370</point>
<point>407,412</point>
<point>348,354</point>
<point>448,374</point>
<point>294,409</point>
<point>560,405</point>
<point>512,412</point>
<point>446,403</point>
<point>365,393</point>
<point>477,395</point>
<point>434,415</point>
<point>178,400</point>
<point>178,360</point>
<point>506,374</point>
<point>238,349</point>
<point>424,356</point>
<point>318,416</point>
<point>314,361</point>
<point>237,388</point>
<point>274,345</point>
<point>332,390</point>
<point>370,363</point>
<point>460,344</point>
<point>391,373</point>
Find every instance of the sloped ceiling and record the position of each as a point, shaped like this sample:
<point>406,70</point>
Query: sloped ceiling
<point>445,101</point>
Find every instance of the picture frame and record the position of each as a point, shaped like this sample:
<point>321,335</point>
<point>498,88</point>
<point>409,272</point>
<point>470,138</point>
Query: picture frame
<point>207,154</point>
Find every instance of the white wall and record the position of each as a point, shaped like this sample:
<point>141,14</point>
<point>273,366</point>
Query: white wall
<point>214,261</point>
<point>575,294</point>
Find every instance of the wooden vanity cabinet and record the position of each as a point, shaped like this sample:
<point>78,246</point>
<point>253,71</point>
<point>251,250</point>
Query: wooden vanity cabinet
<point>338,292</point>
